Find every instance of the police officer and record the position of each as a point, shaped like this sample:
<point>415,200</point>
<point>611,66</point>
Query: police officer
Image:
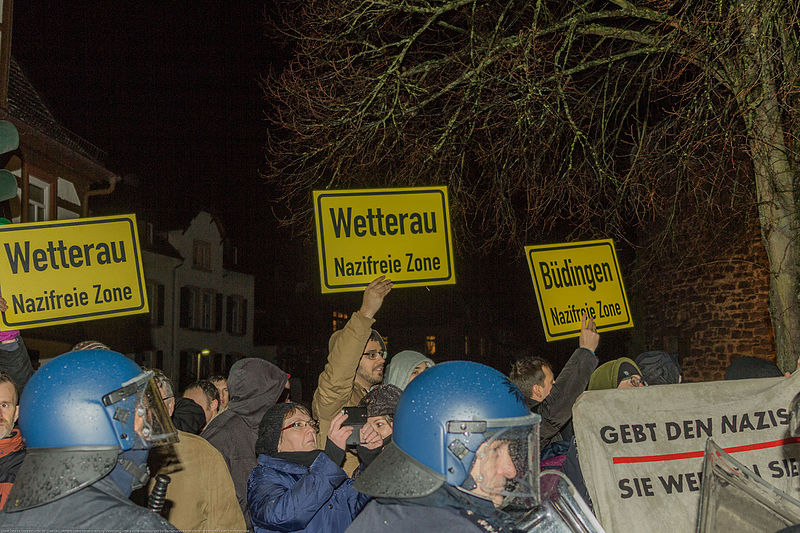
<point>89,420</point>
<point>460,455</point>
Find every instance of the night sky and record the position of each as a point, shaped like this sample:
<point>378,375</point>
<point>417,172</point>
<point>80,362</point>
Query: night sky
<point>168,89</point>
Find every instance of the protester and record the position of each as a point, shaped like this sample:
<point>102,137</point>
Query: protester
<point>405,366</point>
<point>551,398</point>
<point>89,418</point>
<point>356,358</point>
<point>12,447</point>
<point>221,383</point>
<point>751,367</point>
<point>188,417</point>
<point>200,495</point>
<point>296,486</point>
<point>381,403</point>
<point>620,373</point>
<point>206,395</point>
<point>659,368</point>
<point>254,385</point>
<point>14,358</point>
<point>458,455</point>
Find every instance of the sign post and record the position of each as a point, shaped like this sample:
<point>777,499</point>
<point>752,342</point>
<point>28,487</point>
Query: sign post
<point>70,270</point>
<point>573,278</point>
<point>403,234</point>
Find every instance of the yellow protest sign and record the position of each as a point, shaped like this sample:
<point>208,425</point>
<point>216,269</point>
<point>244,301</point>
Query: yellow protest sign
<point>404,234</point>
<point>70,270</point>
<point>570,278</point>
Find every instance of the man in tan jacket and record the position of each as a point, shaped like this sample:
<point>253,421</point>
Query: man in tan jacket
<point>200,495</point>
<point>357,355</point>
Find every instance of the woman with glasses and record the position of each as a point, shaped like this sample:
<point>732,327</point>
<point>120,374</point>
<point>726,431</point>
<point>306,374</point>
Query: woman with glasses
<point>297,487</point>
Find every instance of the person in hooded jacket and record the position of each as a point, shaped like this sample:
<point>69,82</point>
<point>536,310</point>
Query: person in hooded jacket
<point>405,366</point>
<point>254,386</point>
<point>297,487</point>
<point>381,403</point>
<point>622,373</point>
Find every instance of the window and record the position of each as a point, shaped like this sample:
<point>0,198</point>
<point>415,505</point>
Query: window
<point>430,344</point>
<point>339,320</point>
<point>237,315</point>
<point>155,298</point>
<point>206,310</point>
<point>200,309</point>
<point>202,255</point>
<point>38,196</point>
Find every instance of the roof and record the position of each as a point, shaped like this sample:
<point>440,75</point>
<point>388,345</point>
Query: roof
<point>26,104</point>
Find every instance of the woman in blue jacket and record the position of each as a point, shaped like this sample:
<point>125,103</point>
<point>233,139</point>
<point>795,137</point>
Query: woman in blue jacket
<point>295,486</point>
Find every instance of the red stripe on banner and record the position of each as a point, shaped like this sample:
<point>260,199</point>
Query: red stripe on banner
<point>692,455</point>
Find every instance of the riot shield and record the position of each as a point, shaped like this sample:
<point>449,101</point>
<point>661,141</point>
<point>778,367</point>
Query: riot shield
<point>734,498</point>
<point>561,509</point>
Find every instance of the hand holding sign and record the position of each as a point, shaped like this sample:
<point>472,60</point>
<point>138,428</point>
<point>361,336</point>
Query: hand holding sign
<point>589,338</point>
<point>374,294</point>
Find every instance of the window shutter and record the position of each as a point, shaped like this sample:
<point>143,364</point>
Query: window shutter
<point>218,312</point>
<point>229,303</point>
<point>186,301</point>
<point>160,303</point>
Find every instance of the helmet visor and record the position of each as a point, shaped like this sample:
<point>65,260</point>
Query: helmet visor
<point>152,424</point>
<point>156,424</point>
<point>506,467</point>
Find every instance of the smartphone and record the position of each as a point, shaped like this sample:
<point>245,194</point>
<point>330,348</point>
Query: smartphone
<point>356,416</point>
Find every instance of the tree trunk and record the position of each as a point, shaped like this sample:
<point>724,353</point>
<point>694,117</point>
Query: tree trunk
<point>780,230</point>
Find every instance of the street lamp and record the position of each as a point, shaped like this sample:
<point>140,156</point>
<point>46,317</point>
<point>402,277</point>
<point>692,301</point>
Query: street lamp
<point>200,354</point>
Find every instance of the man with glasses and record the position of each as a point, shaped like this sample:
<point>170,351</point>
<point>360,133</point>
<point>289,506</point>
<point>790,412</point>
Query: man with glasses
<point>357,355</point>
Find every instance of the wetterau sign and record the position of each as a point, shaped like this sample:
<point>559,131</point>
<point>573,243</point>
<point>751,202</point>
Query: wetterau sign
<point>573,278</point>
<point>403,234</point>
<point>70,270</point>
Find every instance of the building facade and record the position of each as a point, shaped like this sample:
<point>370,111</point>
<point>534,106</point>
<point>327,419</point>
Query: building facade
<point>201,308</point>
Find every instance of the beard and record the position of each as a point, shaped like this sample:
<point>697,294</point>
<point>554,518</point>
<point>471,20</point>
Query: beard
<point>6,427</point>
<point>372,377</point>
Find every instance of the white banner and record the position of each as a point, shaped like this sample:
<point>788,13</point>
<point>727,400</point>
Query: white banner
<point>641,450</point>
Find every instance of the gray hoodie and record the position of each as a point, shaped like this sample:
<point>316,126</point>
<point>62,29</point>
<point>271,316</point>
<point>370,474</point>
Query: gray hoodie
<point>255,385</point>
<point>401,366</point>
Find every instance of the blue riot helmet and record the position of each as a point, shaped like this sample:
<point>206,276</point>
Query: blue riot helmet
<point>80,414</point>
<point>442,420</point>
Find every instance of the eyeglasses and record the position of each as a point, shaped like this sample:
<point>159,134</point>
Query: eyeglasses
<point>373,355</point>
<point>637,381</point>
<point>302,424</point>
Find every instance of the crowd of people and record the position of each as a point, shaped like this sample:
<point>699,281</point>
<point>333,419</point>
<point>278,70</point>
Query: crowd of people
<point>87,440</point>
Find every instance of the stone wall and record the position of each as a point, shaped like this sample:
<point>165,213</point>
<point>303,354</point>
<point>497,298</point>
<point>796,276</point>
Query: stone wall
<point>712,311</point>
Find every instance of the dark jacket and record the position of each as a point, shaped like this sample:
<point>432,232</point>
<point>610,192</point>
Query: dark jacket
<point>286,496</point>
<point>15,361</point>
<point>254,386</point>
<point>572,469</point>
<point>99,506</point>
<point>446,510</point>
<point>12,452</point>
<point>556,409</point>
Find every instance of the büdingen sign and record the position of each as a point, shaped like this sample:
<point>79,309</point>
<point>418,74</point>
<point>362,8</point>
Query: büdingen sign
<point>573,278</point>
<point>70,270</point>
<point>403,234</point>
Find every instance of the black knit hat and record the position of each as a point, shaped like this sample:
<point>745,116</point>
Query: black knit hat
<point>381,400</point>
<point>269,430</point>
<point>626,370</point>
<point>188,416</point>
